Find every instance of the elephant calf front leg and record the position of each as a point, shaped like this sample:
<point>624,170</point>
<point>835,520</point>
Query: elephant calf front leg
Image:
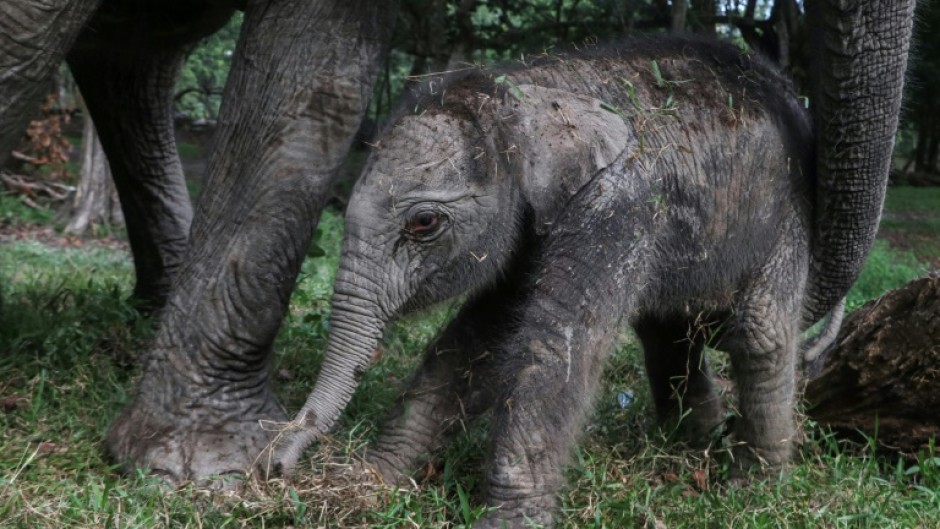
<point>452,384</point>
<point>552,366</point>
<point>437,399</point>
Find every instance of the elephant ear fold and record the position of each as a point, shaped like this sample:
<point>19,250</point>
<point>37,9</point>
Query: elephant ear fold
<point>556,141</point>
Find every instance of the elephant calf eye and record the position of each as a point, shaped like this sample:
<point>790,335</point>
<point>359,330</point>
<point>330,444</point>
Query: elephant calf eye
<point>424,223</point>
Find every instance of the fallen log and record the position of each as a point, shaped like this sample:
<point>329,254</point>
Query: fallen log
<point>881,376</point>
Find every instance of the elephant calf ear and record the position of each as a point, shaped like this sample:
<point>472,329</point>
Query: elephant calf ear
<point>556,141</point>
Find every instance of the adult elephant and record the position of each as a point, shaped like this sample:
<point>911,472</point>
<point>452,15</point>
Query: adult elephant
<point>300,83</point>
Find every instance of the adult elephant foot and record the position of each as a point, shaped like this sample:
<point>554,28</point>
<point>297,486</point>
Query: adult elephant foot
<point>195,445</point>
<point>533,512</point>
<point>204,408</point>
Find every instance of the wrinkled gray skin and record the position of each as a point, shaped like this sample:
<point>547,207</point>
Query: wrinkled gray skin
<point>125,57</point>
<point>558,218</point>
<point>300,83</point>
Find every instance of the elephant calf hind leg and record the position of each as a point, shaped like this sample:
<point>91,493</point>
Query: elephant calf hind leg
<point>762,347</point>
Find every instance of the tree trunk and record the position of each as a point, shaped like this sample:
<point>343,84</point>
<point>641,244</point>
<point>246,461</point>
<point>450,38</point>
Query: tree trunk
<point>95,202</point>
<point>677,21</point>
<point>881,375</point>
<point>933,150</point>
<point>461,55</point>
<point>920,147</point>
<point>785,16</point>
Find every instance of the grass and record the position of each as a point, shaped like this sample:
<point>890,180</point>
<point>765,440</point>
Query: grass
<point>886,268</point>
<point>912,221</point>
<point>14,211</point>
<point>68,345</point>
<point>189,150</point>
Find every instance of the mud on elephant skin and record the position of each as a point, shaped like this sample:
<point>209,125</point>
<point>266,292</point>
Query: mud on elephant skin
<point>563,197</point>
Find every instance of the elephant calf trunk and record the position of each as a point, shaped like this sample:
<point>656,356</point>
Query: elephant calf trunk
<point>350,348</point>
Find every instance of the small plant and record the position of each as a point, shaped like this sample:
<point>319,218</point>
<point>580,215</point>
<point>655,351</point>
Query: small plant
<point>513,88</point>
<point>631,93</point>
<point>669,107</point>
<point>613,108</point>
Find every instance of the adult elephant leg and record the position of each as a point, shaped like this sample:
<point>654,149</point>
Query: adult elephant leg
<point>679,377</point>
<point>126,64</point>
<point>130,100</point>
<point>300,83</point>
<point>452,384</point>
<point>34,37</point>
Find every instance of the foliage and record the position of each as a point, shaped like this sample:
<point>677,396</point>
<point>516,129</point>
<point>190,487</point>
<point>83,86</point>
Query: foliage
<point>14,211</point>
<point>912,221</point>
<point>199,87</point>
<point>190,151</point>
<point>433,36</point>
<point>913,201</point>
<point>45,147</point>
<point>884,270</point>
<point>907,246</point>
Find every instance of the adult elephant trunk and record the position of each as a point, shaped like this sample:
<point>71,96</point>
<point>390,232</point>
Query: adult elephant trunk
<point>860,57</point>
<point>357,323</point>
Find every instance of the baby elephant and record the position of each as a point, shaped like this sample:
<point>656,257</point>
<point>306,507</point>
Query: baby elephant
<point>666,183</point>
